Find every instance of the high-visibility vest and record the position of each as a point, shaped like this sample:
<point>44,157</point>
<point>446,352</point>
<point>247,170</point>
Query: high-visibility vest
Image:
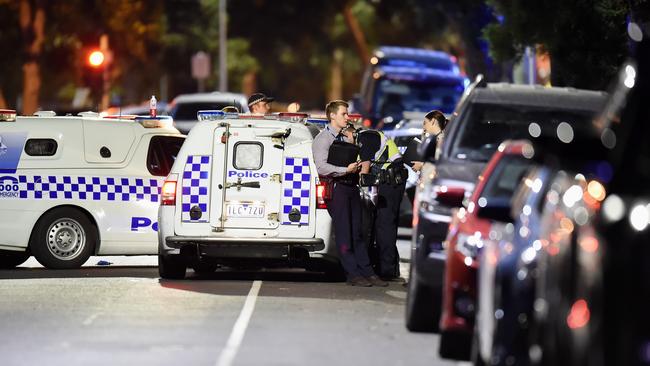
<point>388,151</point>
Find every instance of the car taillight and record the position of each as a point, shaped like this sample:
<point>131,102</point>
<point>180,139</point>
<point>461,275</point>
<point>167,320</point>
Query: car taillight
<point>168,192</point>
<point>322,194</point>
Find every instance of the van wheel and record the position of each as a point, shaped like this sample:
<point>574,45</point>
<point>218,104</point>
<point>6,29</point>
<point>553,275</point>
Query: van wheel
<point>423,305</point>
<point>10,259</point>
<point>63,238</point>
<point>171,267</point>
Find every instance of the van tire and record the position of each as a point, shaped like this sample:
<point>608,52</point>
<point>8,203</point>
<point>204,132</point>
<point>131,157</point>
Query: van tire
<point>171,267</point>
<point>203,268</point>
<point>63,238</point>
<point>10,259</point>
<point>423,305</point>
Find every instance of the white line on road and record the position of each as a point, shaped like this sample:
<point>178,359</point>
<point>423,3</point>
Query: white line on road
<point>239,329</point>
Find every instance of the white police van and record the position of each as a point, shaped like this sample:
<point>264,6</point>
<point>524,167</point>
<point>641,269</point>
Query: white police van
<point>244,190</point>
<point>75,186</point>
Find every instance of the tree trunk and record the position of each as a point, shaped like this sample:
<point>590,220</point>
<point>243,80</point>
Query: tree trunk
<point>357,33</point>
<point>249,83</point>
<point>336,84</point>
<point>32,23</point>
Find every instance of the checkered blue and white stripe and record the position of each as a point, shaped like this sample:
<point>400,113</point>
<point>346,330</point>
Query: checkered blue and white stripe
<point>52,187</point>
<point>296,189</point>
<point>196,181</point>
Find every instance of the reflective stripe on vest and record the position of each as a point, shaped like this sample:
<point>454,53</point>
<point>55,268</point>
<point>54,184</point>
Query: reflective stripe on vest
<point>388,151</point>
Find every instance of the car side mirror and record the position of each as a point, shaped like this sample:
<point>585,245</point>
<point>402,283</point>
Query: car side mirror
<point>428,149</point>
<point>496,210</point>
<point>450,196</point>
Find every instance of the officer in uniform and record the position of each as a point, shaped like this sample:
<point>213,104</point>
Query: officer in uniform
<point>345,204</point>
<point>380,158</point>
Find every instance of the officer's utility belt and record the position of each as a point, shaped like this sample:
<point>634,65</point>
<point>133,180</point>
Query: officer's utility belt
<point>394,174</point>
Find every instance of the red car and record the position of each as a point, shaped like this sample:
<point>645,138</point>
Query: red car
<point>467,233</point>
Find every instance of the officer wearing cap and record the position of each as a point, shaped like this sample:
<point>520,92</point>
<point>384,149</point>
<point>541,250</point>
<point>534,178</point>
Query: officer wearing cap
<point>259,103</point>
<point>381,158</point>
<point>345,204</point>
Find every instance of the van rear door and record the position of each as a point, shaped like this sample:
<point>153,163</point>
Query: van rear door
<point>246,184</point>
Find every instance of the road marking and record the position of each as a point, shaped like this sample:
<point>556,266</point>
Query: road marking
<point>239,329</point>
<point>91,319</point>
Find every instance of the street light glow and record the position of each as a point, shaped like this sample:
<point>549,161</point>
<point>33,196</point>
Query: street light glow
<point>96,58</point>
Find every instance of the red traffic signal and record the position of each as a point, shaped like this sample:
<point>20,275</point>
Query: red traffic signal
<point>96,58</point>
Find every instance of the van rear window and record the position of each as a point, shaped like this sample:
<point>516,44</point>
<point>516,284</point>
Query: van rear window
<point>41,147</point>
<point>248,155</point>
<point>162,154</point>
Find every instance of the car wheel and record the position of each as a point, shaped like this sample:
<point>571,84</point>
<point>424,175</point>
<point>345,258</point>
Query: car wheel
<point>171,267</point>
<point>455,346</point>
<point>63,238</point>
<point>422,305</point>
<point>11,259</point>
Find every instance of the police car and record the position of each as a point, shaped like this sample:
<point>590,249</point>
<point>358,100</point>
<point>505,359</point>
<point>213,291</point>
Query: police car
<point>76,186</point>
<point>244,189</point>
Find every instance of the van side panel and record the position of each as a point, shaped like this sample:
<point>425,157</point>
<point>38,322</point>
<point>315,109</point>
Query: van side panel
<point>195,185</point>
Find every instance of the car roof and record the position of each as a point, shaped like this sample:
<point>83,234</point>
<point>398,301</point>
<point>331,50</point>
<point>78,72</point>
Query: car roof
<point>209,97</point>
<point>540,96</point>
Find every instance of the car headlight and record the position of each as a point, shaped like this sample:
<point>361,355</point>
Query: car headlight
<point>469,246</point>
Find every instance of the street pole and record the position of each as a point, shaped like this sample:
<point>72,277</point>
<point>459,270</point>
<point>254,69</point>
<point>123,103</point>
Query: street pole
<point>223,67</point>
<point>106,84</point>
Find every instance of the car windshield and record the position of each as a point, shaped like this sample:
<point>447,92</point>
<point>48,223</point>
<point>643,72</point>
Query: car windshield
<point>187,111</point>
<point>396,96</point>
<point>484,126</point>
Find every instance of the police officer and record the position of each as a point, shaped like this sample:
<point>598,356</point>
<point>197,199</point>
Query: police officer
<point>345,205</point>
<point>433,125</point>
<point>380,157</point>
<point>259,103</point>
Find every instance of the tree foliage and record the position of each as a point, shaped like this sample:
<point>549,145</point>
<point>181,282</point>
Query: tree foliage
<point>586,39</point>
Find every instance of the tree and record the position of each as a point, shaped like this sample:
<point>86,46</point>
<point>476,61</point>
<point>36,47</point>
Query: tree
<point>32,24</point>
<point>586,40</point>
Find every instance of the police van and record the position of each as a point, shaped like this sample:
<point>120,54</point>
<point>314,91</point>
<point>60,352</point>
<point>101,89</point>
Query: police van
<point>244,190</point>
<point>75,186</point>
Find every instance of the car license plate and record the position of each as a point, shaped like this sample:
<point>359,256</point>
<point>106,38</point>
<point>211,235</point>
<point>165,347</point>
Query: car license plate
<point>245,209</point>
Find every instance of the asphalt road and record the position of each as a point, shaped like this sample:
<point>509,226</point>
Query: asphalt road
<point>123,314</point>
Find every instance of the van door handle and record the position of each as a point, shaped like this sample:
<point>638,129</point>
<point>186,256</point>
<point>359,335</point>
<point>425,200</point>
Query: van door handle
<point>238,184</point>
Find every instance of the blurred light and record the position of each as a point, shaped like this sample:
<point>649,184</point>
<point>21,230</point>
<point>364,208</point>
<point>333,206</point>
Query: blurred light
<point>524,231</point>
<point>566,224</point>
<point>534,129</point>
<point>581,216</point>
<point>527,210</point>
<point>501,147</point>
<point>537,185</point>
<point>528,151</point>
<point>596,190</point>
<point>468,261</point>
<point>635,32</point>
<point>579,315</point>
<point>580,177</point>
<point>96,58</point>
<point>498,314</point>
<point>482,202</point>
<point>613,208</point>
<point>630,76</point>
<point>293,107</point>
<point>589,244</point>
<point>374,60</point>
<point>639,218</point>
<point>572,195</point>
<point>537,245</point>
<point>470,207</point>
<point>528,255</point>
<point>376,75</point>
<point>608,138</point>
<point>565,132</point>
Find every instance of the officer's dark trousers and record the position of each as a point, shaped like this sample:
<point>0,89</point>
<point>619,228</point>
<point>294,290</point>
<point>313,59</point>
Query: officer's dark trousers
<point>389,198</point>
<point>345,210</point>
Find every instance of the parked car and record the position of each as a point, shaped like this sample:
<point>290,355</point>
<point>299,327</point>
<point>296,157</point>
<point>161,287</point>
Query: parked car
<point>594,284</point>
<point>486,115</point>
<point>402,79</point>
<point>467,233</point>
<point>184,107</point>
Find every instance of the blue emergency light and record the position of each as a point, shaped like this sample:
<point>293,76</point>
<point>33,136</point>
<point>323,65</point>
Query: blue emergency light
<point>210,115</point>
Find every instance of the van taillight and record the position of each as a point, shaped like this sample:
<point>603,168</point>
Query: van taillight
<point>322,194</point>
<point>168,194</point>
